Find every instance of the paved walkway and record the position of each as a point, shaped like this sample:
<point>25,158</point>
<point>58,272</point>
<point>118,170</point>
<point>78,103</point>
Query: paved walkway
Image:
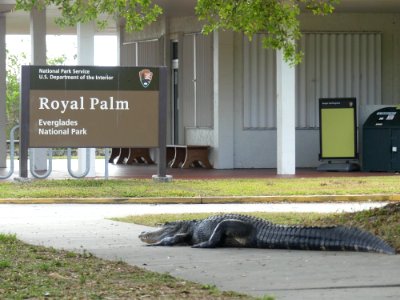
<point>146,171</point>
<point>285,274</point>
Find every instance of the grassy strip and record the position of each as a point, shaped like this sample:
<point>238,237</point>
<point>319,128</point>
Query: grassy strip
<point>383,222</point>
<point>200,188</point>
<point>279,218</point>
<point>33,272</point>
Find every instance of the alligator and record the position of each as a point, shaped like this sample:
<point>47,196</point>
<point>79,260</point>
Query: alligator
<point>236,230</point>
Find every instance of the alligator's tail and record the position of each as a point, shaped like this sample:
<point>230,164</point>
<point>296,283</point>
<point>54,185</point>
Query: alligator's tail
<point>325,238</point>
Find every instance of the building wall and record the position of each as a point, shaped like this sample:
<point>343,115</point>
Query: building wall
<point>375,29</point>
<point>197,81</point>
<point>387,24</point>
<point>195,67</point>
<point>341,39</point>
<point>373,64</point>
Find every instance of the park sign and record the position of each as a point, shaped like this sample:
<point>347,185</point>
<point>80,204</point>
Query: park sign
<point>88,106</point>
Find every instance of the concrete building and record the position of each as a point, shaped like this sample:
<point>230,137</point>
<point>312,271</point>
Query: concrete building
<point>246,102</point>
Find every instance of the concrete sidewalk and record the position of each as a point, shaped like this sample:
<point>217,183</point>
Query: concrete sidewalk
<point>285,274</point>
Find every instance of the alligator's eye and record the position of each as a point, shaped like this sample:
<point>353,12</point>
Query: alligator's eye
<point>142,234</point>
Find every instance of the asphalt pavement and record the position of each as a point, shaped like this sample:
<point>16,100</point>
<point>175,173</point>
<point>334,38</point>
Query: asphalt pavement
<point>284,274</point>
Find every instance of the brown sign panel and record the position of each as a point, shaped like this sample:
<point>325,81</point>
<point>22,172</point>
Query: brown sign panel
<point>93,107</point>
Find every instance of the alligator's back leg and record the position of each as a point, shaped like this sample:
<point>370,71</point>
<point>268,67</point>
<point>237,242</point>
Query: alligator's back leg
<point>230,232</point>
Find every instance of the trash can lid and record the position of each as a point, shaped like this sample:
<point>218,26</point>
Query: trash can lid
<point>388,117</point>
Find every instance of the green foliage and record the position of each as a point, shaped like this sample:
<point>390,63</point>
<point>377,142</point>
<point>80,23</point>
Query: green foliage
<point>13,69</point>
<point>12,88</point>
<point>136,14</point>
<point>277,20</point>
<point>54,61</point>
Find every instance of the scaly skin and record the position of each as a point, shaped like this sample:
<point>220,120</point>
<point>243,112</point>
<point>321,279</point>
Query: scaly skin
<point>235,230</point>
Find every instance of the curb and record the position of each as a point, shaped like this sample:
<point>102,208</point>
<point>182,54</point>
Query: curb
<point>208,200</point>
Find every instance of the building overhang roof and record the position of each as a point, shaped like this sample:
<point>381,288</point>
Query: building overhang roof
<point>18,22</point>
<point>369,6</point>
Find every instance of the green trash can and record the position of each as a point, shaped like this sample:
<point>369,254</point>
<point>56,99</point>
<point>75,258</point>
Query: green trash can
<point>381,141</point>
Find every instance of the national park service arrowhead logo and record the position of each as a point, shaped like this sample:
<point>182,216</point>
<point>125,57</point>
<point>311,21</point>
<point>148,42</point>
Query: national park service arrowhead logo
<point>145,77</point>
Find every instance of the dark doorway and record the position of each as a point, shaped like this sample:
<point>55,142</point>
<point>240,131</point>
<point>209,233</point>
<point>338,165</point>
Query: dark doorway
<point>175,91</point>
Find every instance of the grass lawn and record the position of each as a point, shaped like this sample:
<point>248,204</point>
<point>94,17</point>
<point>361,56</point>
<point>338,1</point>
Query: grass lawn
<point>89,188</point>
<point>33,272</point>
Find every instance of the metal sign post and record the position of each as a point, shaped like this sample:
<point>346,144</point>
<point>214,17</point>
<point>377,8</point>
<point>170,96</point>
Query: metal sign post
<point>24,119</point>
<point>162,130</point>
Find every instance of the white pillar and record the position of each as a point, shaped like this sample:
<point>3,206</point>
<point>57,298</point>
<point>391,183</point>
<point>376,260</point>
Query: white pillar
<point>85,34</point>
<point>38,57</point>
<point>223,100</point>
<point>120,43</point>
<point>286,93</point>
<point>3,116</point>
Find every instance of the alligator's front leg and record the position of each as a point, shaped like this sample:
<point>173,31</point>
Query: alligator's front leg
<point>172,240</point>
<point>230,228</point>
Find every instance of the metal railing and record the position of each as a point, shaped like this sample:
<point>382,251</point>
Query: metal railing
<point>34,173</point>
<point>12,149</point>
<point>49,167</point>
<point>87,167</point>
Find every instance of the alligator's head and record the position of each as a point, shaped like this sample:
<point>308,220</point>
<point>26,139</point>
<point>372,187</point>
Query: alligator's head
<point>168,230</point>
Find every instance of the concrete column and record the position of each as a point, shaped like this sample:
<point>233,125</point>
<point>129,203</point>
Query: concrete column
<point>3,116</point>
<point>285,78</point>
<point>181,128</point>
<point>120,43</point>
<point>38,57</point>
<point>85,33</point>
<point>165,59</point>
<point>223,100</point>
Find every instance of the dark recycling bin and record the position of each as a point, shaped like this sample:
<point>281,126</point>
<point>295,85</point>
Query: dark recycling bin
<point>381,141</point>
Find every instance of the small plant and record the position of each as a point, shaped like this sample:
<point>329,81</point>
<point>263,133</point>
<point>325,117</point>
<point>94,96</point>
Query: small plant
<point>5,264</point>
<point>45,267</point>
<point>212,288</point>
<point>8,238</point>
<point>82,278</point>
<point>266,297</point>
